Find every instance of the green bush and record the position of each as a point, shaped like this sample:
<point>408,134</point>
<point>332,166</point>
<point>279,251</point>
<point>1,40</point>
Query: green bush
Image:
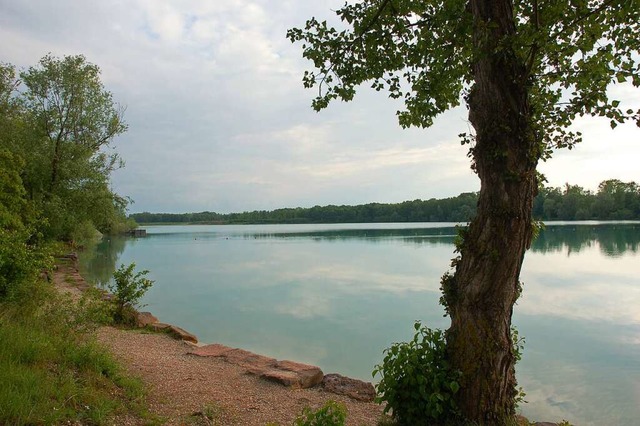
<point>417,382</point>
<point>330,414</point>
<point>84,233</point>
<point>127,290</point>
<point>81,315</point>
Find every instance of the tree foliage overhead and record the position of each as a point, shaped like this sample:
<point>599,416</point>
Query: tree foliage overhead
<point>422,52</point>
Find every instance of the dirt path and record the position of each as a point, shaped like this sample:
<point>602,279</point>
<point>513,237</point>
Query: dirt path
<point>183,388</point>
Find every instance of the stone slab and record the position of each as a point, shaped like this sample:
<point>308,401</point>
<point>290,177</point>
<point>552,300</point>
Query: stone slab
<point>254,363</point>
<point>287,373</point>
<point>286,378</point>
<point>356,389</point>
<point>174,331</point>
<point>213,350</point>
<point>308,375</point>
<point>144,319</point>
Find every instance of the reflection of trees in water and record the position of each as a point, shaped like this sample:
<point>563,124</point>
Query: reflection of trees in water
<point>418,235</point>
<point>612,239</point>
<point>98,261</point>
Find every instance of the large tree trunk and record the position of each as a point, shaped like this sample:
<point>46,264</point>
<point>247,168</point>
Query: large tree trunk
<point>481,294</point>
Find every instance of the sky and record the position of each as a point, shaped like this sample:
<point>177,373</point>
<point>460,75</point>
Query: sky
<point>219,120</point>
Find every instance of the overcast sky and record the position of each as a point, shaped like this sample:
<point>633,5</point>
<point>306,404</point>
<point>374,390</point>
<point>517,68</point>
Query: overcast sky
<point>218,118</point>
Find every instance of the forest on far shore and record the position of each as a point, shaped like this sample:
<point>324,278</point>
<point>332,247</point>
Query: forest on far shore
<point>614,200</point>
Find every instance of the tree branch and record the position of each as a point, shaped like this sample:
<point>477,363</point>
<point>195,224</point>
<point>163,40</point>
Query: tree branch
<point>579,19</point>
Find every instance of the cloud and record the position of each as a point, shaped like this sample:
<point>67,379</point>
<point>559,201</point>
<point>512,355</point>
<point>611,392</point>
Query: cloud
<point>601,296</point>
<point>219,120</point>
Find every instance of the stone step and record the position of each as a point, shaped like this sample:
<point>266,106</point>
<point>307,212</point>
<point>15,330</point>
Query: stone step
<point>174,331</point>
<point>287,373</point>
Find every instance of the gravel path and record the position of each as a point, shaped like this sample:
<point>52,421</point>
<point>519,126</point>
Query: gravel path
<point>180,385</point>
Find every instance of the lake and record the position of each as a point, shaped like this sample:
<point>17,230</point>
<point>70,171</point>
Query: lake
<point>337,295</point>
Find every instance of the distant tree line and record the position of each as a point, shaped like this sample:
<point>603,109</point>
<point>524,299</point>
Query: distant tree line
<point>614,200</point>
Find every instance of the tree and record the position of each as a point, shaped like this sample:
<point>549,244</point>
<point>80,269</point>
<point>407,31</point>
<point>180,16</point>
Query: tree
<point>71,121</point>
<point>525,69</point>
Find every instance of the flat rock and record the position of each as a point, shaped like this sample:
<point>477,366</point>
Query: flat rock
<point>182,334</point>
<point>286,378</point>
<point>287,373</point>
<point>214,350</point>
<point>356,389</point>
<point>144,319</point>
<point>308,375</point>
<point>253,363</point>
<point>174,331</point>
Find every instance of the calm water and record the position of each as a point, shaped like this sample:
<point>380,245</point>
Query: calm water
<point>337,295</point>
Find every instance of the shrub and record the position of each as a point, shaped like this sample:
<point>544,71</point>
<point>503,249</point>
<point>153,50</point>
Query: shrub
<point>128,288</point>
<point>330,414</point>
<point>84,233</point>
<point>417,382</point>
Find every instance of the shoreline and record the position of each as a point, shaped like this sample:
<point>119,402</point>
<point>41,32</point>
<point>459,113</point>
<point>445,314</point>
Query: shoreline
<point>288,377</point>
<point>153,355</point>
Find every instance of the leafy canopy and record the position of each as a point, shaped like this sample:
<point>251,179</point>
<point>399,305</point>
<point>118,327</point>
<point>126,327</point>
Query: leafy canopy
<point>60,120</point>
<point>422,52</point>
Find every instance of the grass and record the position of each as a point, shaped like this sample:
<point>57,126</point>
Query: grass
<point>212,414</point>
<point>52,371</point>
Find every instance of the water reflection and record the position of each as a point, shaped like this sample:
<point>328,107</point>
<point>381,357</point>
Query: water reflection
<point>337,297</point>
<point>444,235</point>
<point>613,240</point>
<point>99,260</point>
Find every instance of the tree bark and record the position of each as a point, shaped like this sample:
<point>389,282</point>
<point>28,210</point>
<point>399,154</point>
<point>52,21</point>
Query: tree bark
<point>481,293</point>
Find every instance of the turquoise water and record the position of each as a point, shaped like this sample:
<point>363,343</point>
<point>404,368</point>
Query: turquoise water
<point>337,295</point>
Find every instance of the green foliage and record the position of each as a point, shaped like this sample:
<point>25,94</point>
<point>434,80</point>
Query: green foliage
<point>416,381</point>
<point>54,184</point>
<point>128,288</point>
<point>85,233</point>
<point>81,316</point>
<point>58,129</point>
<point>518,349</point>
<point>52,373</point>
<point>18,262</point>
<point>19,258</point>
<point>330,414</point>
<point>614,200</point>
<point>422,53</point>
